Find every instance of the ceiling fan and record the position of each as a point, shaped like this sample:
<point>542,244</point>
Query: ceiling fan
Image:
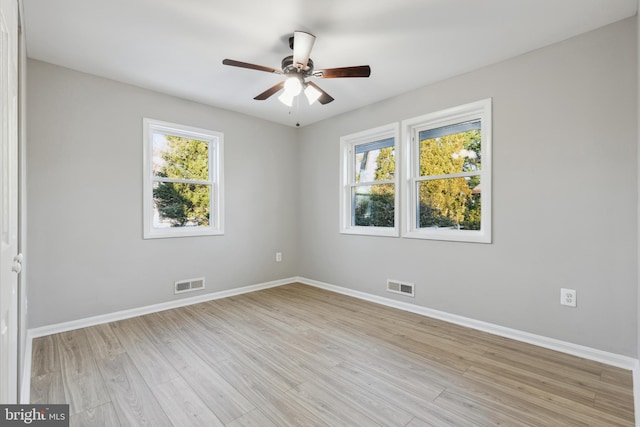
<point>297,68</point>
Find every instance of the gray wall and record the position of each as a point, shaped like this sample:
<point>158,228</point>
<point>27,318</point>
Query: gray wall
<point>87,255</point>
<point>565,198</point>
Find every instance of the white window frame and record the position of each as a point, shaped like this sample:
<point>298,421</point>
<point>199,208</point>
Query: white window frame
<point>215,180</point>
<point>347,181</point>
<point>451,116</point>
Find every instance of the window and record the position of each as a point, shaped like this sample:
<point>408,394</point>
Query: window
<point>369,202</point>
<point>449,174</point>
<point>183,191</point>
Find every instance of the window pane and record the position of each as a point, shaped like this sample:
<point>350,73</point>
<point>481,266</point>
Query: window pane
<point>375,161</point>
<point>180,204</point>
<point>452,203</point>
<point>373,205</point>
<point>450,149</point>
<point>181,158</point>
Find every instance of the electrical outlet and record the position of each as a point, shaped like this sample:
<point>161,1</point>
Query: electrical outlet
<point>568,297</point>
<point>278,256</point>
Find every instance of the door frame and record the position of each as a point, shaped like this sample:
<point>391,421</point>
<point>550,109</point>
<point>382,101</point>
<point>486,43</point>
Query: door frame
<point>24,346</point>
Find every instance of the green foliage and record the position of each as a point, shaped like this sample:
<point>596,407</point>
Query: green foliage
<point>450,202</point>
<point>184,204</point>
<point>385,164</point>
<point>375,209</point>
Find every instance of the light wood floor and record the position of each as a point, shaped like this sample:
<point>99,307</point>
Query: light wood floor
<point>297,355</point>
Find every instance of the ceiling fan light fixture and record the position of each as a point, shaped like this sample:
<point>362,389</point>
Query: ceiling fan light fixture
<point>286,98</point>
<point>293,86</point>
<point>312,94</point>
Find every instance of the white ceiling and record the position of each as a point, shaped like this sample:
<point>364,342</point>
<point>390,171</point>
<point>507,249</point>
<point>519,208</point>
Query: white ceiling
<point>177,46</point>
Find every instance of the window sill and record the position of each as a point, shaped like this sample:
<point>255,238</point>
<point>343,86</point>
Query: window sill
<point>371,231</point>
<point>450,235</point>
<point>182,232</point>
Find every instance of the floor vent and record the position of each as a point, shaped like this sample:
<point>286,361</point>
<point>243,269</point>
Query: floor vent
<point>188,285</point>
<point>398,287</point>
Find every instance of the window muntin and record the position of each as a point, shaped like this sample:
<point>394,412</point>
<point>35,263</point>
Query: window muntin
<point>449,159</point>
<point>183,181</point>
<point>369,202</point>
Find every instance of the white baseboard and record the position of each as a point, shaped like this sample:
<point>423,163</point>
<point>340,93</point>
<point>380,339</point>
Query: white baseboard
<point>613,359</point>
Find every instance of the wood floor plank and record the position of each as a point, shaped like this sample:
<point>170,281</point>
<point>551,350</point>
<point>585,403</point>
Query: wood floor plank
<point>225,401</point>
<point>549,367</point>
<point>529,379</point>
<point>535,398</point>
<point>133,401</point>
<point>201,316</point>
<point>159,327</point>
<point>416,402</point>
<point>153,367</point>
<point>220,315</point>
<point>449,356</point>
<point>258,387</point>
<point>281,411</point>
<point>211,344</point>
<point>618,376</point>
<point>329,407</point>
<point>48,388</point>
<point>379,408</point>
<point>306,353</point>
<point>406,371</point>
<point>183,406</point>
<point>296,307</point>
<point>281,362</point>
<point>621,406</point>
<point>442,419</point>
<point>83,384</point>
<point>507,401</point>
<point>479,412</point>
<point>103,341</point>
<point>102,416</point>
<point>302,356</point>
<point>276,315</point>
<point>254,418</point>
<point>44,356</point>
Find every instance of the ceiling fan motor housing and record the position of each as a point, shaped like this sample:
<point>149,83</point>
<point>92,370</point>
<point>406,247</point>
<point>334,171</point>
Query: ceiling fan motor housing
<point>288,67</point>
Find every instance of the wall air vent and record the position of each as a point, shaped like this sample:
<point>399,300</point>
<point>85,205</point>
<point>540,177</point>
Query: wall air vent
<point>399,287</point>
<point>188,285</point>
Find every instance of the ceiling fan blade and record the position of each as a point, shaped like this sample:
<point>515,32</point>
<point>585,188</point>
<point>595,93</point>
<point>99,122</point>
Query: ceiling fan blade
<point>325,98</point>
<point>332,73</point>
<point>240,64</point>
<point>267,93</point>
<point>302,44</point>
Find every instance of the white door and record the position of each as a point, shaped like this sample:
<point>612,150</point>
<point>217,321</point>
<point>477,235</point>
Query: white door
<point>10,261</point>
